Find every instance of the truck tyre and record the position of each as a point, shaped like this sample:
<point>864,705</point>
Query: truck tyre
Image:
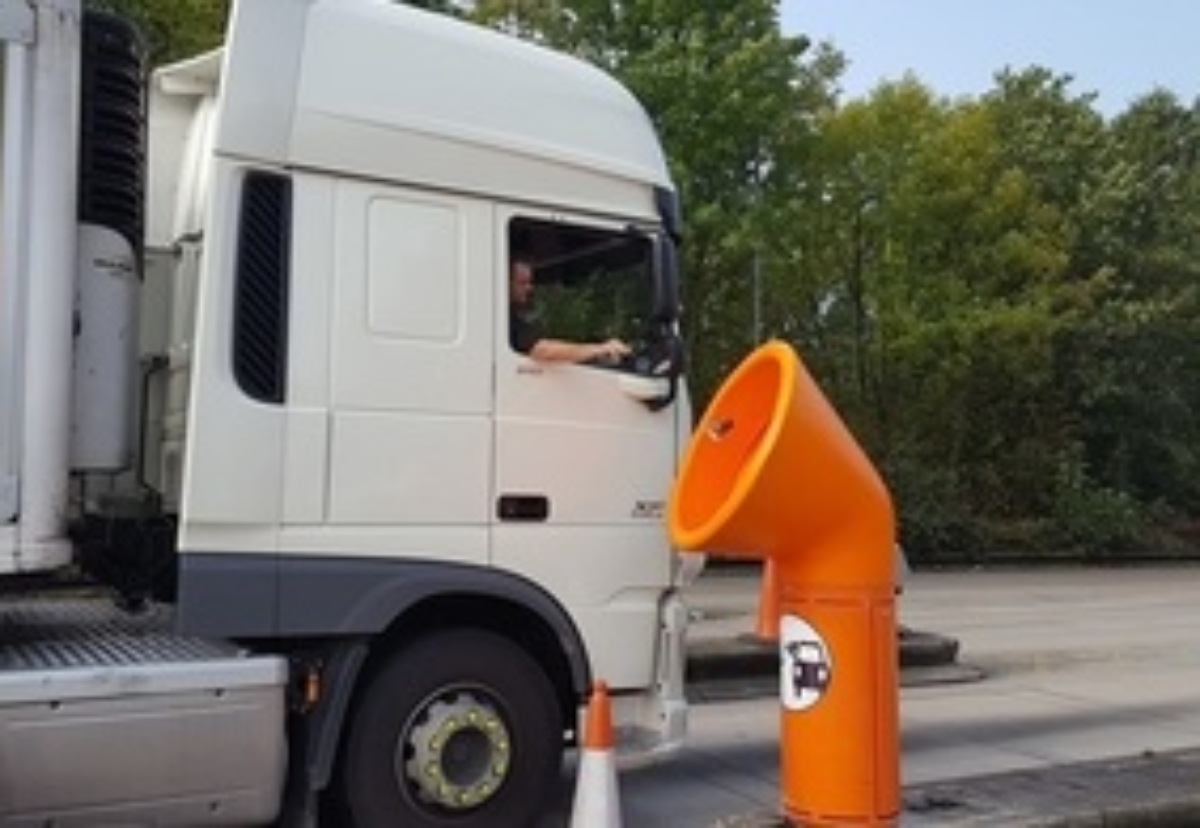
<point>461,728</point>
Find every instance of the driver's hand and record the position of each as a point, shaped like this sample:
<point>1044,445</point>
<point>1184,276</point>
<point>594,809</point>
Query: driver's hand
<point>612,350</point>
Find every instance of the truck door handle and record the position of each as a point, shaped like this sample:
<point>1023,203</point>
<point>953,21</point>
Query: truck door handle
<point>523,508</point>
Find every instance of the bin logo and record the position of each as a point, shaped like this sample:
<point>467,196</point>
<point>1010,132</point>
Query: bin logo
<point>805,665</point>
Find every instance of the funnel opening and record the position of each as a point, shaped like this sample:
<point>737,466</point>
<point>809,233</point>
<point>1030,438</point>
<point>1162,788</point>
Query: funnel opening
<point>733,440</point>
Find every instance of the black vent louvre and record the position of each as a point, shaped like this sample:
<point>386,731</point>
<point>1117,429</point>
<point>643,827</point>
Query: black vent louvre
<point>112,126</point>
<point>261,297</point>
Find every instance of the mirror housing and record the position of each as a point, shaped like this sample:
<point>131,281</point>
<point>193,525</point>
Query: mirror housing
<point>665,289</point>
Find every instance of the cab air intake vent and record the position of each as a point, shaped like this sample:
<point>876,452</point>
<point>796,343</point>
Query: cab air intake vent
<point>261,294</point>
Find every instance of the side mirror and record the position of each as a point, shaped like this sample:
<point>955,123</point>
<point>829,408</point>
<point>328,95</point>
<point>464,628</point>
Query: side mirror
<point>667,368</point>
<point>665,296</point>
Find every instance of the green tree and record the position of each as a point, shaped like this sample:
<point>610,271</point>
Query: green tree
<point>937,329</point>
<point>1133,357</point>
<point>173,29</point>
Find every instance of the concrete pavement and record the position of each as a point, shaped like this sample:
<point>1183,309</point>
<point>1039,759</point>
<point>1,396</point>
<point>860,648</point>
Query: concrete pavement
<point>1082,714</point>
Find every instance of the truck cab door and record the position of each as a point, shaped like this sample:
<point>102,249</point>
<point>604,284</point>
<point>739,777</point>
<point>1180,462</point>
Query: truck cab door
<point>585,452</point>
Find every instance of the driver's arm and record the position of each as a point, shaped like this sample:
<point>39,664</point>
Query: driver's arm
<point>560,350</point>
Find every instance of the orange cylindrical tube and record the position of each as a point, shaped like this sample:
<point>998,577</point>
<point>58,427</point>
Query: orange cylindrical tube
<point>840,741</point>
<point>772,473</point>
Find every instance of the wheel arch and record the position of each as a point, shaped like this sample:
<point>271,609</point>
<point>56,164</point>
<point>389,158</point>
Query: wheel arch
<point>561,655</point>
<point>403,600</point>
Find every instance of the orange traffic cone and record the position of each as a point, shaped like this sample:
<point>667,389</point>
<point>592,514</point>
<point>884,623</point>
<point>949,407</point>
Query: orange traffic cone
<point>766,625</point>
<point>597,804</point>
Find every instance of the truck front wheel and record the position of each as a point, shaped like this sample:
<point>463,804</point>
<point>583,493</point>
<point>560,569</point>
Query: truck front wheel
<point>459,728</point>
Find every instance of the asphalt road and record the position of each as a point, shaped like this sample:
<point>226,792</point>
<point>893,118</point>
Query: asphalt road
<point>1078,666</point>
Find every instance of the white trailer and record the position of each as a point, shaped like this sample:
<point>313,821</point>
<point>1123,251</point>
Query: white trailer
<point>288,529</point>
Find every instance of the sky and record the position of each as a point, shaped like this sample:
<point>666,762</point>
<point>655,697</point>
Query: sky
<point>1119,49</point>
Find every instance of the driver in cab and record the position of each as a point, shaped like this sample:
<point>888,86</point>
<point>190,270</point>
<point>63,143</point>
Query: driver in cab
<point>524,337</point>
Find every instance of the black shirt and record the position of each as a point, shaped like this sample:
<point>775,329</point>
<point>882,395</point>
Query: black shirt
<point>522,335</point>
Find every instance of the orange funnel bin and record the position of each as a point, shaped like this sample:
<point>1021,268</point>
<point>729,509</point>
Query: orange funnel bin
<point>772,473</point>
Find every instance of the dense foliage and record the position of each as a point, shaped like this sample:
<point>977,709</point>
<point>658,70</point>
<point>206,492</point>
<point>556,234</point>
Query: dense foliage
<point>1001,294</point>
<point>173,29</point>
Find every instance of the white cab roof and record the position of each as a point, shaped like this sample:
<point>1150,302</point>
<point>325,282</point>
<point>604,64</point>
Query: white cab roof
<point>378,89</point>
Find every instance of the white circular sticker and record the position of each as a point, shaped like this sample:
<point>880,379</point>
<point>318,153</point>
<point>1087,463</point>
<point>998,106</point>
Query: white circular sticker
<point>805,663</point>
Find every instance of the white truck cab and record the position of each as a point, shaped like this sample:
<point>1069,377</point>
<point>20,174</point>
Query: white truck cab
<point>269,379</point>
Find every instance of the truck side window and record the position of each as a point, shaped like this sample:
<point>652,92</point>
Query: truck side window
<point>261,287</point>
<point>579,284</point>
